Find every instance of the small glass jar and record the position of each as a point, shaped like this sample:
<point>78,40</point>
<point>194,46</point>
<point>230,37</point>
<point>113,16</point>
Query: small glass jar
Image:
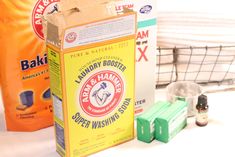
<point>202,111</point>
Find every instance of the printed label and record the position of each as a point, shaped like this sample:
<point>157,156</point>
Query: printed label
<point>120,7</point>
<point>145,59</point>
<point>142,40</point>
<point>177,121</point>
<point>71,37</point>
<point>146,9</point>
<point>56,86</point>
<point>99,31</point>
<point>55,73</point>
<point>34,63</point>
<point>101,93</point>
<point>60,135</point>
<point>41,8</point>
<point>146,45</point>
<point>58,108</point>
<point>202,117</point>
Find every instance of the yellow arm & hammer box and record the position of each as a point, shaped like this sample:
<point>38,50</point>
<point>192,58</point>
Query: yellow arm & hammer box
<point>91,54</point>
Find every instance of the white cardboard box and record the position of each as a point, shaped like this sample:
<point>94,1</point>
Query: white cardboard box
<point>146,45</point>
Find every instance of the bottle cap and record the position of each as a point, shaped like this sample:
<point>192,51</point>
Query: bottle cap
<point>202,99</point>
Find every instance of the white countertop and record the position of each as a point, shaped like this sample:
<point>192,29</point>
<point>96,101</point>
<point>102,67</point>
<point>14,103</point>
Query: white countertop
<point>216,139</point>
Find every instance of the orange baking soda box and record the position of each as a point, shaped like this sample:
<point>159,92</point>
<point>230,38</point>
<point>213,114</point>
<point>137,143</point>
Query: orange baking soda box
<point>24,64</point>
<point>91,54</point>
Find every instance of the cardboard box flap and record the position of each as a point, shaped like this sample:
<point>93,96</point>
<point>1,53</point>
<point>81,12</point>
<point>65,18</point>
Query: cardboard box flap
<point>69,4</point>
<point>74,17</point>
<point>79,26</point>
<point>53,35</point>
<point>82,13</point>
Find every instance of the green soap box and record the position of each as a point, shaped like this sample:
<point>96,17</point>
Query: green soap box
<point>171,122</point>
<point>145,122</point>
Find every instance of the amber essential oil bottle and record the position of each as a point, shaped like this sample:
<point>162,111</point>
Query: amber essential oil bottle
<point>202,111</point>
